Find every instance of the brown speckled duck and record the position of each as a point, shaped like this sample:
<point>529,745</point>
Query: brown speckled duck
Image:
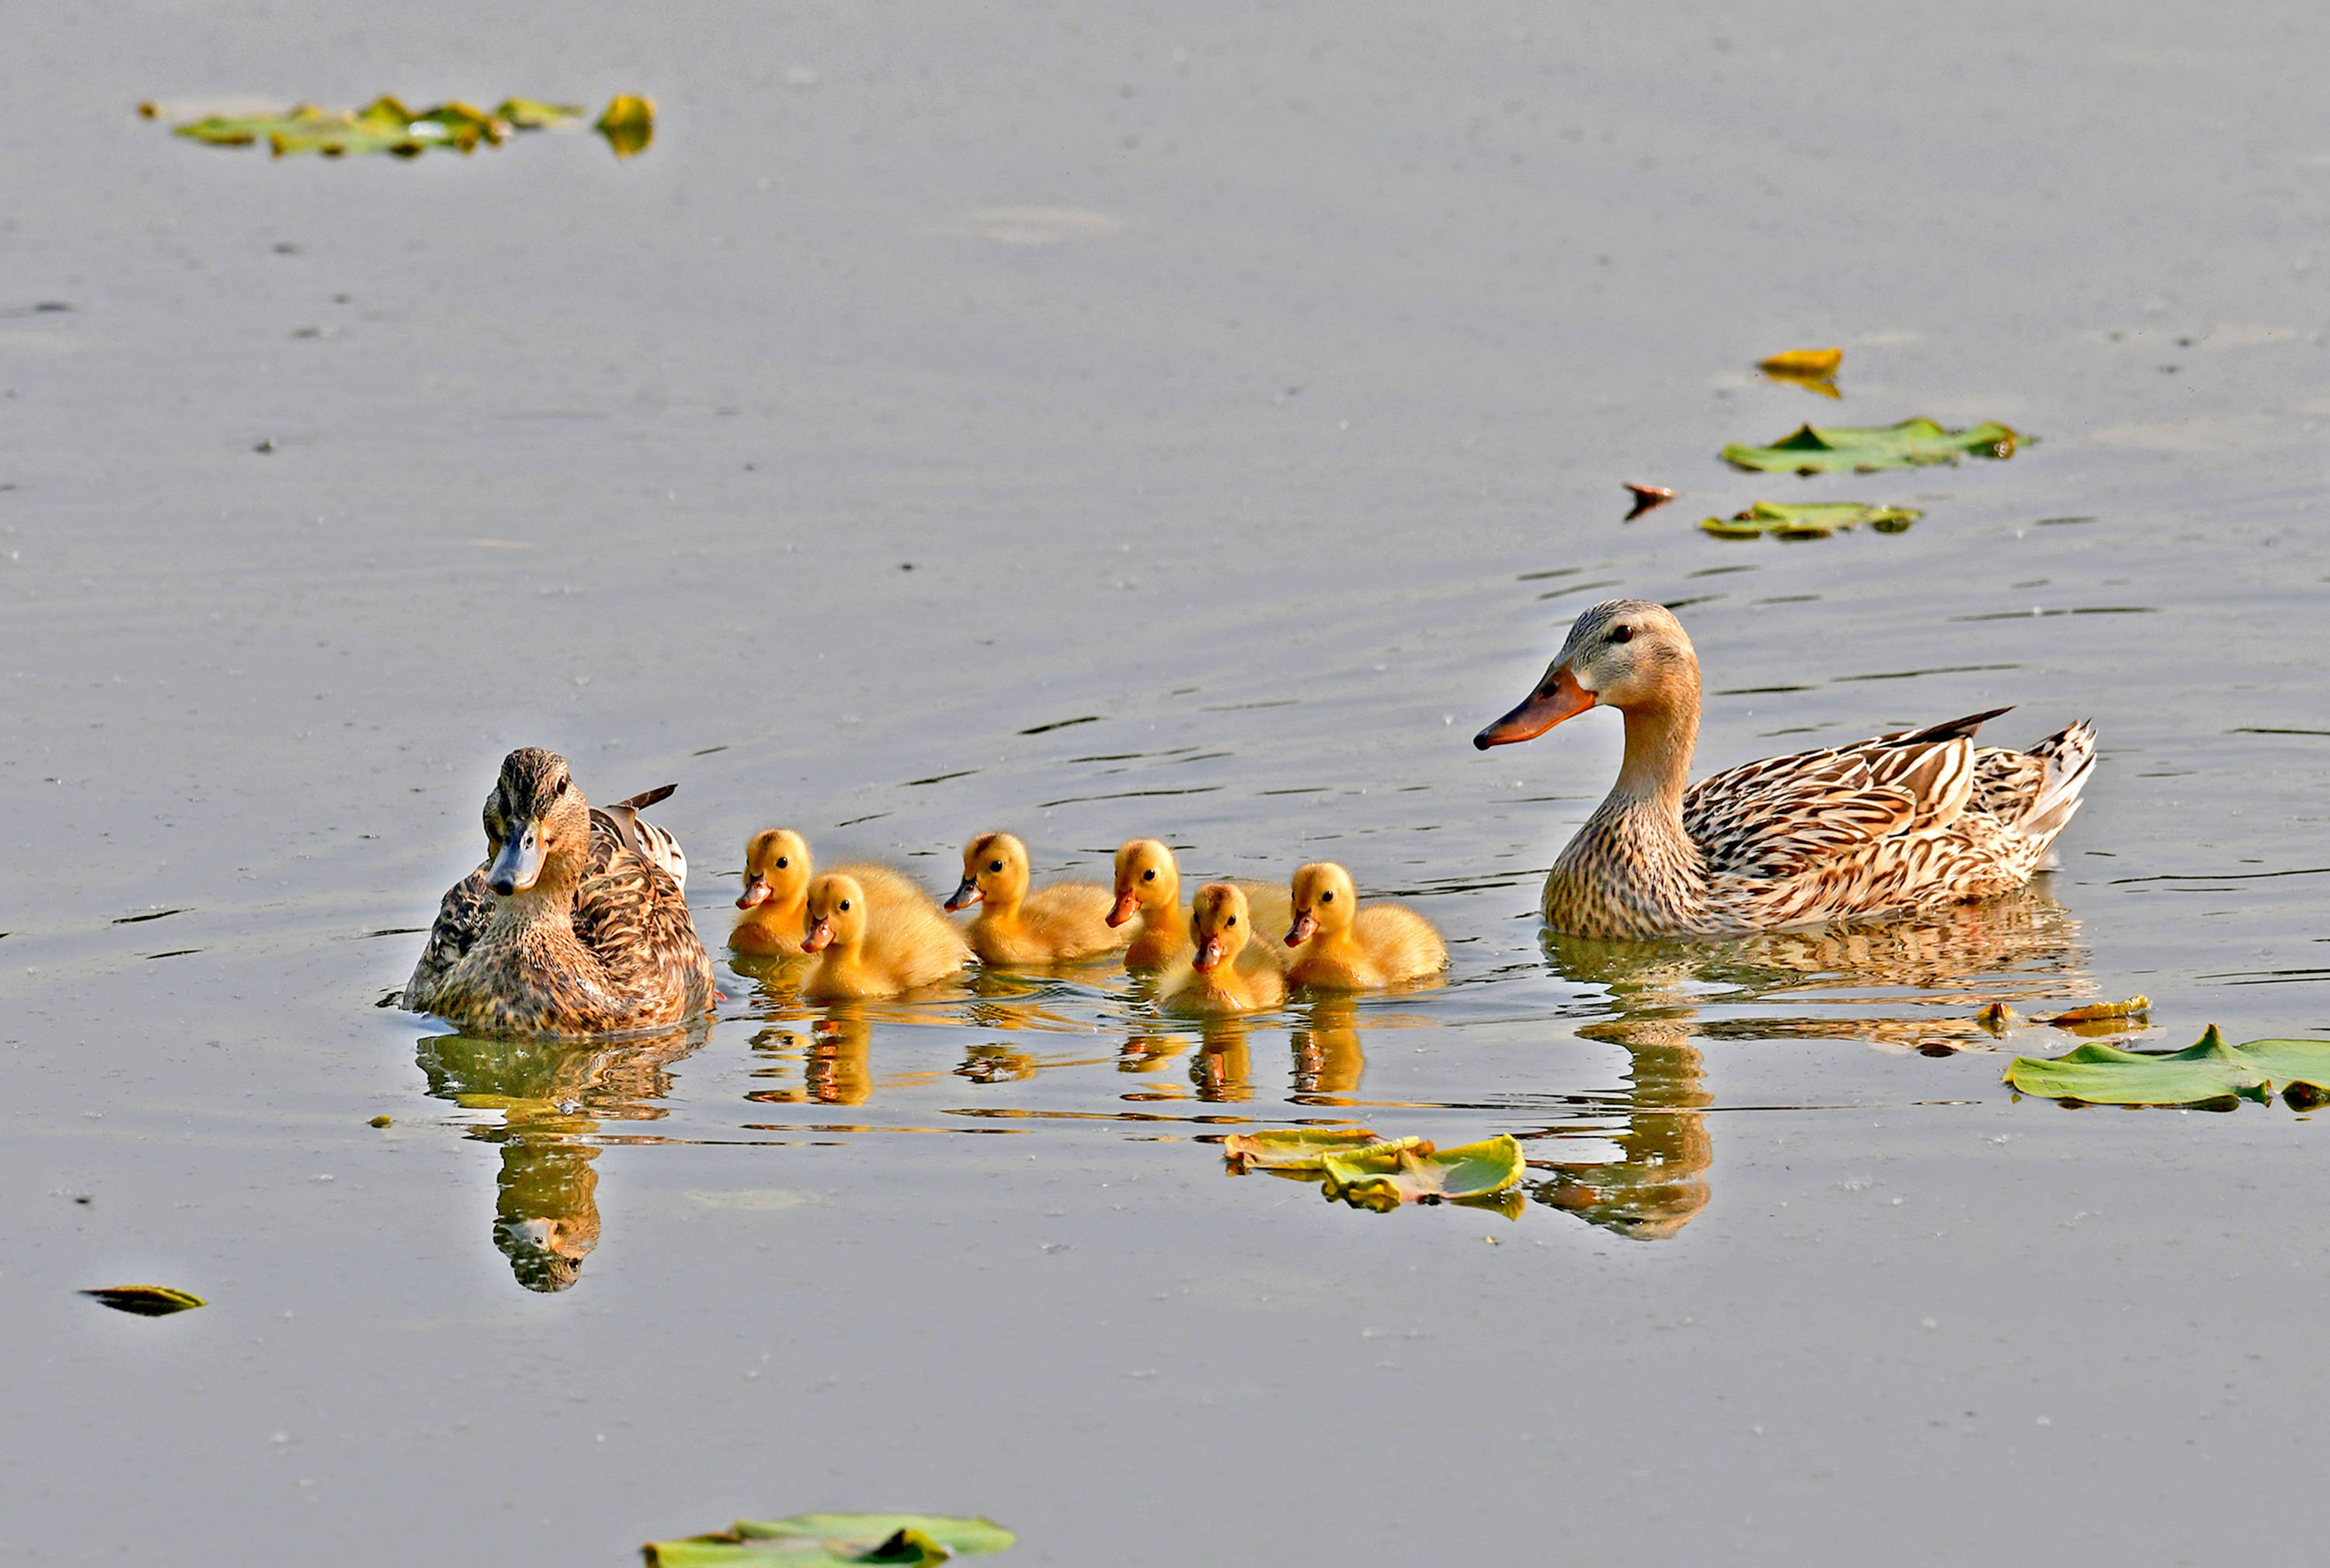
<point>1910,820</point>
<point>574,925</point>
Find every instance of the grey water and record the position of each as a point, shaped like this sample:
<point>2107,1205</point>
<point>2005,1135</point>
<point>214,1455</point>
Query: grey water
<point>1191,422</point>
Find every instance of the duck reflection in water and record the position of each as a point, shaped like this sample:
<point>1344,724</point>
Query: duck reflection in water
<point>553,1095</point>
<point>1911,984</point>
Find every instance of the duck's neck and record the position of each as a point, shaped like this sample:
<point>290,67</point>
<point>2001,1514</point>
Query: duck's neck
<point>1660,737</point>
<point>1632,869</point>
<point>548,904</point>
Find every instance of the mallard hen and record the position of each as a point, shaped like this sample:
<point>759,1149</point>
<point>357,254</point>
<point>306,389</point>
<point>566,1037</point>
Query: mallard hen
<point>1909,820</point>
<point>572,925</point>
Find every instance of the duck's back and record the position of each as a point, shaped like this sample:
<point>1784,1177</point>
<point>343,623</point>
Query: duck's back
<point>1056,924</point>
<point>1399,943</point>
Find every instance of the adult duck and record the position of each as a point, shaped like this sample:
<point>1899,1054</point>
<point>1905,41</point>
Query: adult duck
<point>1910,820</point>
<point>572,925</point>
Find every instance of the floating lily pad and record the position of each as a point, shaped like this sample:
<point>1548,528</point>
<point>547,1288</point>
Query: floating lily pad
<point>2208,1074</point>
<point>387,125</point>
<point>1813,369</point>
<point>628,124</point>
<point>814,1540</point>
<point>1816,521</point>
<point>146,1300</point>
<point>1838,449</point>
<point>1384,1177</point>
<point>1302,1150</point>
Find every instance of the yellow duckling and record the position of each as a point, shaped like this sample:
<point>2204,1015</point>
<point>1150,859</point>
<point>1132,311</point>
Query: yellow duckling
<point>777,874</point>
<point>1149,887</point>
<point>1226,972</point>
<point>1346,947</point>
<point>1050,925</point>
<point>868,950</point>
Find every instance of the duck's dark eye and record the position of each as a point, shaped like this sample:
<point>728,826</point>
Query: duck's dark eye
<point>1326,898</point>
<point>1622,634</point>
<point>995,865</point>
<point>845,904</point>
<point>1231,921</point>
<point>783,861</point>
<point>1148,875</point>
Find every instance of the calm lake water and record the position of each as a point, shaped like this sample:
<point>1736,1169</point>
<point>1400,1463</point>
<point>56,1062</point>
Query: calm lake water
<point>1186,423</point>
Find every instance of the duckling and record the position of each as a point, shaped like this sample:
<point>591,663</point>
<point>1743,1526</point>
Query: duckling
<point>777,875</point>
<point>870,951</point>
<point>572,927</point>
<point>1149,885</point>
<point>1346,947</point>
<point>1226,972</point>
<point>1060,924</point>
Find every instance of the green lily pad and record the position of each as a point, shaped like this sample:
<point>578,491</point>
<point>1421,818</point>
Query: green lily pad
<point>1384,1177</point>
<point>1302,1150</point>
<point>532,114</point>
<point>815,1540</point>
<point>1837,449</point>
<point>1815,521</point>
<point>628,124</point>
<point>2209,1074</point>
<point>146,1300</point>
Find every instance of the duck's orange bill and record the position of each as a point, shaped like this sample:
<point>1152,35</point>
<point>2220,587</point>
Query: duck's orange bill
<point>1127,906</point>
<point>1306,926</point>
<point>1558,698</point>
<point>756,892</point>
<point>819,937</point>
<point>1208,954</point>
<point>966,894</point>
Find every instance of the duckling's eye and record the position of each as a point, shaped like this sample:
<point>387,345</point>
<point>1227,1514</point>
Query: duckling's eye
<point>845,904</point>
<point>1622,634</point>
<point>995,865</point>
<point>1231,921</point>
<point>1326,898</point>
<point>783,861</point>
<point>1150,875</point>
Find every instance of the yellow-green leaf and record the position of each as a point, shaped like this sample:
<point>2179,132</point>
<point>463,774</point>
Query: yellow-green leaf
<point>146,1300</point>
<point>628,124</point>
<point>1813,369</point>
<point>816,1540</point>
<point>532,114</point>
<point>1837,449</point>
<point>1300,1150</point>
<point>1384,1177</point>
<point>2207,1073</point>
<point>382,126</point>
<point>2101,1011</point>
<point>1817,520</point>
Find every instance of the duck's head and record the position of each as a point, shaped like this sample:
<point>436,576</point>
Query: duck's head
<point>1324,901</point>
<point>776,866</point>
<point>994,870</point>
<point>533,817</point>
<point>836,914</point>
<point>1219,922</point>
<point>1146,879</point>
<point>1625,653</point>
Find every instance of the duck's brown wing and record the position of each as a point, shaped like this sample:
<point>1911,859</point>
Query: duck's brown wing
<point>621,826</point>
<point>634,920</point>
<point>461,917</point>
<point>1784,816</point>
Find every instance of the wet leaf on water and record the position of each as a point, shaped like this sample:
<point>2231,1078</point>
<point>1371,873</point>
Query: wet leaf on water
<point>1301,1151</point>
<point>381,1121</point>
<point>1837,449</point>
<point>1815,521</point>
<point>146,1300</point>
<point>1813,369</point>
<point>531,114</point>
<point>1384,1177</point>
<point>628,124</point>
<point>1647,497</point>
<point>2208,1074</point>
<point>813,1540</point>
<point>2101,1012</point>
<point>1998,1018</point>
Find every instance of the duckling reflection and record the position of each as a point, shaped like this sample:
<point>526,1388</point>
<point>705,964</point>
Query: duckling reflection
<point>1223,1068</point>
<point>1327,1056</point>
<point>1902,985</point>
<point>835,1054</point>
<point>553,1095</point>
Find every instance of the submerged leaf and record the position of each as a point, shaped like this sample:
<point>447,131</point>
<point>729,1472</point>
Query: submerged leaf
<point>1385,1176</point>
<point>146,1300</point>
<point>1998,1018</point>
<point>628,124</point>
<point>1815,521</point>
<point>1301,1151</point>
<point>1837,449</point>
<point>814,1540</point>
<point>2207,1073</point>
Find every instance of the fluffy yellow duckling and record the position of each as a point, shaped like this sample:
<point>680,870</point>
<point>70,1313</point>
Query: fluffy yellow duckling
<point>777,874</point>
<point>1050,925</point>
<point>1226,972</point>
<point>1149,888</point>
<point>1346,947</point>
<point>868,950</point>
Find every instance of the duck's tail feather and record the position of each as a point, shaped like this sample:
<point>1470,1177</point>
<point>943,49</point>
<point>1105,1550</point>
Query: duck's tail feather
<point>2069,754</point>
